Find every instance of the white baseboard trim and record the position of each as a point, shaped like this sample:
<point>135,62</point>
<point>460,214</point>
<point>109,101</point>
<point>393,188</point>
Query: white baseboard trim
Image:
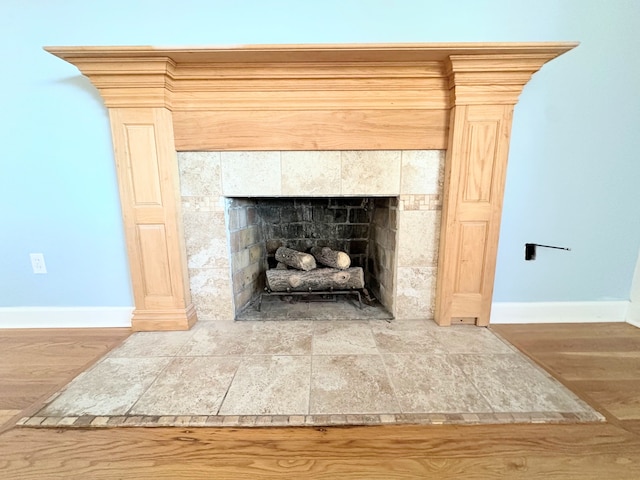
<point>65,317</point>
<point>633,314</point>
<point>559,312</point>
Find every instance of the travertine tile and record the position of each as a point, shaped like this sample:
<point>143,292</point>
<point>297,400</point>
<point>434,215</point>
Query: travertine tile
<point>218,338</point>
<point>199,173</point>
<point>251,173</point>
<point>421,171</point>
<point>206,239</point>
<point>343,338</point>
<point>211,292</point>
<point>432,383</point>
<point>306,173</point>
<point>350,384</point>
<point>269,385</point>
<point>511,384</point>
<point>405,337</point>
<point>418,235</point>
<point>415,292</point>
<point>281,338</point>
<point>109,388</point>
<point>371,172</point>
<point>470,339</point>
<point>152,344</point>
<point>189,386</point>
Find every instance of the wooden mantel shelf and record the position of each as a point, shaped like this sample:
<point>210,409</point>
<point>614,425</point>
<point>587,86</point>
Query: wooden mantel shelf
<point>301,53</point>
<point>453,96</point>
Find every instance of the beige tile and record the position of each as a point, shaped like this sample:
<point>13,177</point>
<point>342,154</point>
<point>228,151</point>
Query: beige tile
<point>432,384</point>
<point>109,388</point>
<point>269,385</point>
<point>342,337</point>
<point>511,384</point>
<point>405,337</point>
<point>350,384</point>
<point>205,236</point>
<point>421,171</point>
<point>371,172</point>
<point>218,338</point>
<point>251,173</point>
<point>199,173</point>
<point>306,173</point>
<point>418,235</point>
<point>221,311</point>
<point>189,386</point>
<point>470,339</point>
<point>211,293</point>
<point>415,292</point>
<point>152,344</point>
<point>281,338</point>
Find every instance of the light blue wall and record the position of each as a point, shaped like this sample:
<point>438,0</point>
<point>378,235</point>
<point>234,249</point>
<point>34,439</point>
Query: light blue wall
<point>574,167</point>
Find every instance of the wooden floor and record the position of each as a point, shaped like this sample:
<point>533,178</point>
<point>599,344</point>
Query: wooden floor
<point>600,362</point>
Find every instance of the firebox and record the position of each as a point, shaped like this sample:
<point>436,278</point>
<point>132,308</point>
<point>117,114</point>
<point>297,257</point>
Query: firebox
<point>364,228</point>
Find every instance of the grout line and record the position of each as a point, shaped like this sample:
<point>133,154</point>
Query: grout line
<point>233,377</point>
<point>127,412</point>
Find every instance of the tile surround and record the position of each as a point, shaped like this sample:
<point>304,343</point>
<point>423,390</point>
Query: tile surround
<point>415,177</point>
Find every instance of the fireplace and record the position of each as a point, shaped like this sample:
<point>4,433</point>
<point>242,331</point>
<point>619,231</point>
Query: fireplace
<point>355,109</point>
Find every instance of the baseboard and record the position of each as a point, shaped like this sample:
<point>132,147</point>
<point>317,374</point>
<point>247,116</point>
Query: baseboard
<point>65,317</point>
<point>559,312</point>
<point>633,314</point>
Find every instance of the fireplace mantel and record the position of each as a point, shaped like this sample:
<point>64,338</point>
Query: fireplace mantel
<point>457,96</point>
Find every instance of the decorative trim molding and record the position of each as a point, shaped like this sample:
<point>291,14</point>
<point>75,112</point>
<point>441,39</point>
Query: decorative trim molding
<point>559,312</point>
<point>65,317</point>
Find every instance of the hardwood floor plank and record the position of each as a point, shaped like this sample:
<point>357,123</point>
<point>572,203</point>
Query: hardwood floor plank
<point>621,397</point>
<point>591,367</point>
<point>519,451</point>
<point>533,332</point>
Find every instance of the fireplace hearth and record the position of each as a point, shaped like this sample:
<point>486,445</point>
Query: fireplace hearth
<point>357,109</point>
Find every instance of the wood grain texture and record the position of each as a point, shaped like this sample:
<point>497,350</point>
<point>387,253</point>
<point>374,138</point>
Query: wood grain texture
<point>148,180</point>
<point>585,451</point>
<point>534,451</point>
<point>311,130</point>
<point>475,173</point>
<point>36,363</point>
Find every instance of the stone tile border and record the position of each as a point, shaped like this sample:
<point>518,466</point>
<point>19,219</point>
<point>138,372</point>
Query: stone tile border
<point>90,421</point>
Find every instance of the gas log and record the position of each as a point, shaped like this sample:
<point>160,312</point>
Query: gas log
<point>331,258</point>
<point>321,279</point>
<point>295,259</point>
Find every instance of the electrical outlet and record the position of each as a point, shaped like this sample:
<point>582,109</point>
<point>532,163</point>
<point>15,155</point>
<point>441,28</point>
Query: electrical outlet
<point>37,263</point>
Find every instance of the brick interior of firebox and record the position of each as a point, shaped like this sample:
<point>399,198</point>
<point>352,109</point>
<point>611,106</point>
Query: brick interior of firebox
<point>363,227</point>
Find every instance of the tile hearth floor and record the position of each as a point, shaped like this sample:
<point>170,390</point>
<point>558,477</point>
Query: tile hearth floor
<point>313,372</point>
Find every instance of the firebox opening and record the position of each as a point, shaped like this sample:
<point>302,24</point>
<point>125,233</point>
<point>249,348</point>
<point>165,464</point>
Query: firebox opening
<point>363,227</point>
